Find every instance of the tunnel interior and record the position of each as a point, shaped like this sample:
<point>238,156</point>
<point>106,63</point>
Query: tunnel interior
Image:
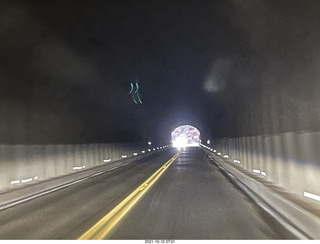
<point>185,136</point>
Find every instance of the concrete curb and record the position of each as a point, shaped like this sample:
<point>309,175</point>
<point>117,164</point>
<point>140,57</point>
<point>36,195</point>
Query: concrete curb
<point>300,222</point>
<point>16,196</point>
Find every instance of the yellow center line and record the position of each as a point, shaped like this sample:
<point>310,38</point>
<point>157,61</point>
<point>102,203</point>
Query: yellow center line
<point>103,226</point>
<point>144,186</point>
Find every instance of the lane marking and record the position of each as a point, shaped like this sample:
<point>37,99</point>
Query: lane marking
<point>103,226</point>
<point>143,187</point>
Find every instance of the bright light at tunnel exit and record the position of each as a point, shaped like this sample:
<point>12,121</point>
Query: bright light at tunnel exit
<point>185,136</point>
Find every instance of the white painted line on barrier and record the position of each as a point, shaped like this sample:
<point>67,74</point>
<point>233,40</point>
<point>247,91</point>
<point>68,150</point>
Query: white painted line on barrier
<point>256,171</point>
<point>79,167</point>
<point>310,195</point>
<point>26,180</point>
<point>15,182</point>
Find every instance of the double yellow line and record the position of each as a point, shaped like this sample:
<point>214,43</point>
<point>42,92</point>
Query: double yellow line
<point>104,226</point>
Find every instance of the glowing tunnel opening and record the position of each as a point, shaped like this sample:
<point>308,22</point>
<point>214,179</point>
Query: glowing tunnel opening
<point>185,136</point>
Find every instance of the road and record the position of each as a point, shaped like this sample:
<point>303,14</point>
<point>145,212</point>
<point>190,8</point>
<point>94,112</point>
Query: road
<point>191,199</point>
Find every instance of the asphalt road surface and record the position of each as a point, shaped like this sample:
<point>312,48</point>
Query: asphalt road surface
<point>190,200</point>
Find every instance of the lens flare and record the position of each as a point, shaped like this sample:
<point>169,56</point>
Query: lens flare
<point>185,136</point>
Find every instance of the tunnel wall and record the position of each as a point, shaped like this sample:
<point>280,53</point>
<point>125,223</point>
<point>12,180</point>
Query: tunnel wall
<point>291,160</point>
<point>27,164</point>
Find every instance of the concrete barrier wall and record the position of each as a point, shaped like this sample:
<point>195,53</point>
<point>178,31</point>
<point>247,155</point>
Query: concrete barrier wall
<point>296,219</point>
<point>27,164</point>
<point>291,160</point>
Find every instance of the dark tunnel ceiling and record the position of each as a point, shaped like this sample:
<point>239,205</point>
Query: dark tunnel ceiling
<point>66,68</point>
